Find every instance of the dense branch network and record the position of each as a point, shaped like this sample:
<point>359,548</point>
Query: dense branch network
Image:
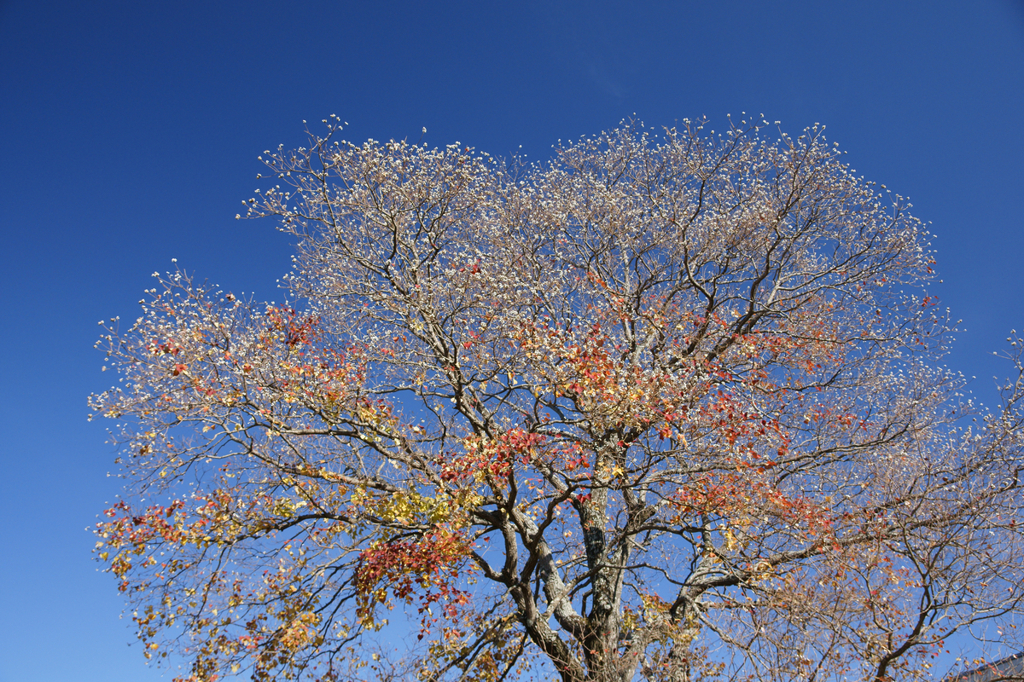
<point>665,407</point>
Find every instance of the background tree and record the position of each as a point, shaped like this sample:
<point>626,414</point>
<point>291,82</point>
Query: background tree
<point>667,406</point>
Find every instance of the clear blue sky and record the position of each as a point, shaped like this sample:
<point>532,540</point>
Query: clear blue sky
<point>130,136</point>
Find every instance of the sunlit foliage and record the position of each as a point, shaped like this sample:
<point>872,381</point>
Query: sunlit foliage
<point>668,406</point>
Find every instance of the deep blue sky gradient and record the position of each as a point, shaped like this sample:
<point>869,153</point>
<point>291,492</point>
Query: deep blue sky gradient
<point>130,136</point>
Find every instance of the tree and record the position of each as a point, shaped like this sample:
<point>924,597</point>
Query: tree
<point>668,406</point>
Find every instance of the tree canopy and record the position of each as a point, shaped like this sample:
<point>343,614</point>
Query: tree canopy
<point>668,406</point>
